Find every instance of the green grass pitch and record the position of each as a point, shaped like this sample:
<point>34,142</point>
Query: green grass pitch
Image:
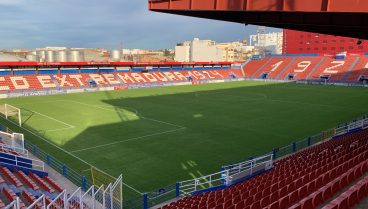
<point>158,136</point>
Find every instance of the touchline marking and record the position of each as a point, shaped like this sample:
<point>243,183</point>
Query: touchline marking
<point>67,152</point>
<point>41,102</point>
<point>128,140</point>
<point>127,113</point>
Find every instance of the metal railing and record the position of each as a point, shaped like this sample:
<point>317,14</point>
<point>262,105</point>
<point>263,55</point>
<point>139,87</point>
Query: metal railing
<point>60,167</point>
<point>41,200</point>
<point>13,205</point>
<point>9,148</point>
<point>61,198</point>
<point>223,177</point>
<point>20,162</point>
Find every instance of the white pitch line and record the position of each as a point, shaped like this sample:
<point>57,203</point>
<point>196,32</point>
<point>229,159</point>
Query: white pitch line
<point>41,102</point>
<point>127,140</point>
<point>55,130</point>
<point>67,152</point>
<point>52,119</point>
<point>128,114</point>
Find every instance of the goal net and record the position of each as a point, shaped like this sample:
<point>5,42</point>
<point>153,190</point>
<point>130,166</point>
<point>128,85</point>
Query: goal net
<point>114,187</point>
<point>11,113</point>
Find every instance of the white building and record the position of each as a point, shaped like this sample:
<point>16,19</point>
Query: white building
<point>273,42</point>
<point>55,48</point>
<point>198,51</point>
<point>132,51</point>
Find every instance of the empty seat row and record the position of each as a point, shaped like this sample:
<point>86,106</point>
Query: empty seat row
<point>11,177</point>
<point>31,199</point>
<point>41,183</point>
<point>27,180</point>
<point>351,197</point>
<point>53,183</point>
<point>12,197</point>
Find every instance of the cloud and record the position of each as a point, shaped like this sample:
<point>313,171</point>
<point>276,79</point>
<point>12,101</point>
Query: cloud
<point>104,24</point>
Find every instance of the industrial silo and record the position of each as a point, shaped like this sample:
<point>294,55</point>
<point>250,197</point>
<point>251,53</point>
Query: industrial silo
<point>75,56</point>
<point>49,56</point>
<point>115,54</point>
<point>32,57</point>
<point>60,56</point>
<point>41,54</point>
<point>33,52</point>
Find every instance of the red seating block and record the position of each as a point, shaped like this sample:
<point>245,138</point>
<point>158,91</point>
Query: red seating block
<point>41,183</point>
<point>11,177</point>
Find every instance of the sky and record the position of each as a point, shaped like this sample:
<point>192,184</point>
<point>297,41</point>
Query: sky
<point>30,24</point>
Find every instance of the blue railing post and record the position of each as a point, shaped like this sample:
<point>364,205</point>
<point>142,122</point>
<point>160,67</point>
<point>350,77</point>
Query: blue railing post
<point>274,154</point>
<point>294,145</point>
<point>177,189</point>
<point>35,150</point>
<point>309,141</point>
<point>346,126</point>
<point>24,141</point>
<point>64,170</point>
<point>48,159</point>
<point>0,127</point>
<point>145,202</point>
<point>83,183</point>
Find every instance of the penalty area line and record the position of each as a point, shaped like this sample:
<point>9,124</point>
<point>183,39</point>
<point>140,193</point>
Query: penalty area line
<point>66,151</point>
<point>127,113</point>
<point>127,140</point>
<point>52,119</point>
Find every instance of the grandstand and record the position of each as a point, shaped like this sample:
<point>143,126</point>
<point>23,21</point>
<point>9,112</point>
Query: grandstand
<point>306,67</point>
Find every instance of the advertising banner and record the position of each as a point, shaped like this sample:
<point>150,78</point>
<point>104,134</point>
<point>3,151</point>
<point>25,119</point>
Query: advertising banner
<point>146,86</point>
<point>27,94</point>
<point>120,87</point>
<point>74,91</point>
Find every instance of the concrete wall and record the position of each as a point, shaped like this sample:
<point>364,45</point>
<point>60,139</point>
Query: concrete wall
<point>182,53</point>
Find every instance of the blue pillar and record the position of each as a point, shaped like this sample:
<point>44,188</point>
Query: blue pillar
<point>294,146</point>
<point>222,169</point>
<point>346,126</point>
<point>35,150</point>
<point>64,170</point>
<point>145,202</point>
<point>177,189</point>
<point>274,154</point>
<point>24,142</point>
<point>309,141</point>
<point>48,159</point>
<point>84,183</point>
<point>0,127</point>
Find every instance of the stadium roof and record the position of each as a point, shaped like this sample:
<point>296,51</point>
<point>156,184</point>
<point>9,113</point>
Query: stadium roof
<point>347,18</point>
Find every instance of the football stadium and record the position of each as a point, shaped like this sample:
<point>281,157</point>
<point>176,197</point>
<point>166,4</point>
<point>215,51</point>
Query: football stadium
<point>276,131</point>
